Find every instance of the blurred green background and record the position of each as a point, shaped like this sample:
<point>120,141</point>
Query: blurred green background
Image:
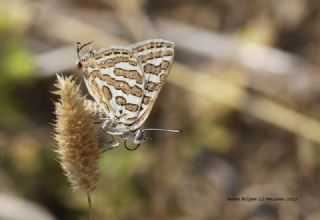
<point>244,89</point>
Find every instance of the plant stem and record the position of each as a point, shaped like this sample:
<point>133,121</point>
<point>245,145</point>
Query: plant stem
<point>90,206</point>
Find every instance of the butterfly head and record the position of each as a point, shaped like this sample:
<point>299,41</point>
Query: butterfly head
<point>140,138</point>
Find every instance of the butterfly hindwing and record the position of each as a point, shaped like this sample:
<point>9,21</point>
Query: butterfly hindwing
<point>115,80</point>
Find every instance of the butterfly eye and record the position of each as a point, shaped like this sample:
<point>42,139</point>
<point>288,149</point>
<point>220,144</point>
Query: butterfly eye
<point>120,111</point>
<point>139,136</point>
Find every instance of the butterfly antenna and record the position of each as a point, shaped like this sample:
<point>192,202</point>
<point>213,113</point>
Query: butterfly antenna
<point>165,130</point>
<point>79,47</point>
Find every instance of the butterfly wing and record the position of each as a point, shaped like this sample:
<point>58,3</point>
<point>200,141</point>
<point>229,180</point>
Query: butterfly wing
<point>115,80</point>
<point>155,58</point>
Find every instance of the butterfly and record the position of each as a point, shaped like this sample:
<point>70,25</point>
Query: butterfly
<point>125,82</point>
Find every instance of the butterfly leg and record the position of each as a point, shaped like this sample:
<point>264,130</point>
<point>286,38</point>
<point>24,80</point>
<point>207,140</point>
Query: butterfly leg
<point>110,145</point>
<point>97,122</point>
<point>98,113</point>
<point>107,123</point>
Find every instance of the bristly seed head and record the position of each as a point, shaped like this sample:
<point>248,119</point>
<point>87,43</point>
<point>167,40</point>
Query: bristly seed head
<point>76,136</point>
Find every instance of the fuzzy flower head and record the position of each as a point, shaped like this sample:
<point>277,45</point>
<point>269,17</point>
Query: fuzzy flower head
<point>76,136</point>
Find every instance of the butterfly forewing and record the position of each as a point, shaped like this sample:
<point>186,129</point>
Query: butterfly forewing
<point>116,82</point>
<point>155,58</point>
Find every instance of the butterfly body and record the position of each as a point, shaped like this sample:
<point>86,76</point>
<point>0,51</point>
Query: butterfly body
<point>125,82</point>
